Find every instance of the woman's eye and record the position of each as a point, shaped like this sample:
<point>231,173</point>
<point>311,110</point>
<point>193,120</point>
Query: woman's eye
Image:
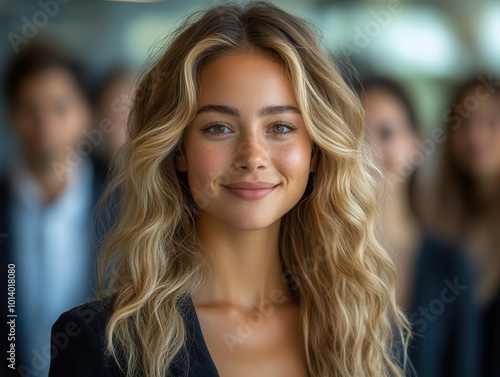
<point>281,128</point>
<point>218,129</point>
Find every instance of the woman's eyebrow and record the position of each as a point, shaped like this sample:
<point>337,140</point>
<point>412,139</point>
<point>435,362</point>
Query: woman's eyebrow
<point>219,109</point>
<point>272,110</point>
<point>265,111</point>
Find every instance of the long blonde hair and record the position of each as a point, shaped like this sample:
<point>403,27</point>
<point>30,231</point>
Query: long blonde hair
<point>344,278</point>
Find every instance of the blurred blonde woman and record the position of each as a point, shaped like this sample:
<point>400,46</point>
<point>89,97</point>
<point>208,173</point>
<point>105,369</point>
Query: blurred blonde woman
<point>244,243</point>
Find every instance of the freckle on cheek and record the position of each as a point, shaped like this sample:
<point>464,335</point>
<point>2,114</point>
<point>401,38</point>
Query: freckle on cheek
<point>209,159</point>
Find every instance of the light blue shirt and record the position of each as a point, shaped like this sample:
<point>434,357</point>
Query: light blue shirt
<point>51,249</point>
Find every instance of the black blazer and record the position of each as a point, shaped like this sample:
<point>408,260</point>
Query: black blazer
<point>447,347</point>
<point>99,179</point>
<point>78,344</point>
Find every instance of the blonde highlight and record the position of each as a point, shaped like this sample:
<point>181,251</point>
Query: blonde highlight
<point>151,258</point>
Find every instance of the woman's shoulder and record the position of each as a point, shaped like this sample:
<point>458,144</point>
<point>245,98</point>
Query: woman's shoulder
<point>78,341</point>
<point>92,314</point>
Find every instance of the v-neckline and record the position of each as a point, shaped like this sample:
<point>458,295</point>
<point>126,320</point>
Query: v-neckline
<point>199,338</point>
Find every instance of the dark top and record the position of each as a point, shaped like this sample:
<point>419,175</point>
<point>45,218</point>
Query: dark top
<point>78,344</point>
<point>443,315</point>
<point>29,366</point>
<point>491,339</point>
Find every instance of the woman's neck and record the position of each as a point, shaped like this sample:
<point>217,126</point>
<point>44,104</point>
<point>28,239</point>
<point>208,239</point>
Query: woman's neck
<point>245,266</point>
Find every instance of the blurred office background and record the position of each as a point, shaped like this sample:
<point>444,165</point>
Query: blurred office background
<point>427,44</point>
<point>427,48</point>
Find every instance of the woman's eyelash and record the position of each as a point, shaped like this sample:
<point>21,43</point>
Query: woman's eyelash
<point>212,125</point>
<point>287,125</point>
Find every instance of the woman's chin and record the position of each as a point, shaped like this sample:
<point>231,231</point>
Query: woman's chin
<point>250,223</point>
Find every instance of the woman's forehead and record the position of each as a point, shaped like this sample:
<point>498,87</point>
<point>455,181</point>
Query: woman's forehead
<point>246,80</point>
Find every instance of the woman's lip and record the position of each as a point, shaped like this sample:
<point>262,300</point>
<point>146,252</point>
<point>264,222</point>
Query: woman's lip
<point>251,185</point>
<point>250,194</point>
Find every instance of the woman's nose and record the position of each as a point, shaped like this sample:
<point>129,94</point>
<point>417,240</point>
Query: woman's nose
<point>251,153</point>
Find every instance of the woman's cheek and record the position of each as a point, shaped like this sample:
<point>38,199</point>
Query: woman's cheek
<point>205,167</point>
<point>294,160</point>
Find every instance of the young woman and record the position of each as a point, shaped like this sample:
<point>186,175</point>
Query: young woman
<point>244,243</point>
<point>466,208</point>
<point>443,317</point>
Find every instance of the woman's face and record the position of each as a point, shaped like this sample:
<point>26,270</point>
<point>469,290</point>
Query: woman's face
<point>392,139</point>
<point>248,128</point>
<point>475,145</point>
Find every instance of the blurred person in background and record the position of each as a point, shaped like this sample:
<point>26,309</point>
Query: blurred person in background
<point>111,103</point>
<point>46,198</point>
<point>466,207</point>
<point>429,270</point>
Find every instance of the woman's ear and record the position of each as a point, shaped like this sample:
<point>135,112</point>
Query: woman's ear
<point>180,162</point>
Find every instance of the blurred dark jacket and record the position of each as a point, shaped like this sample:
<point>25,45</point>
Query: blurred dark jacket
<point>491,339</point>
<point>6,257</point>
<point>444,316</point>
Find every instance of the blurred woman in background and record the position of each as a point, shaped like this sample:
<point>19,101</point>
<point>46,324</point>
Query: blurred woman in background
<point>466,207</point>
<point>431,273</point>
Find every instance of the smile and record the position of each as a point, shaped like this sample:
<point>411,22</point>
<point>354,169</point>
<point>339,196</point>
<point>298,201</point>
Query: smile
<point>250,194</point>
